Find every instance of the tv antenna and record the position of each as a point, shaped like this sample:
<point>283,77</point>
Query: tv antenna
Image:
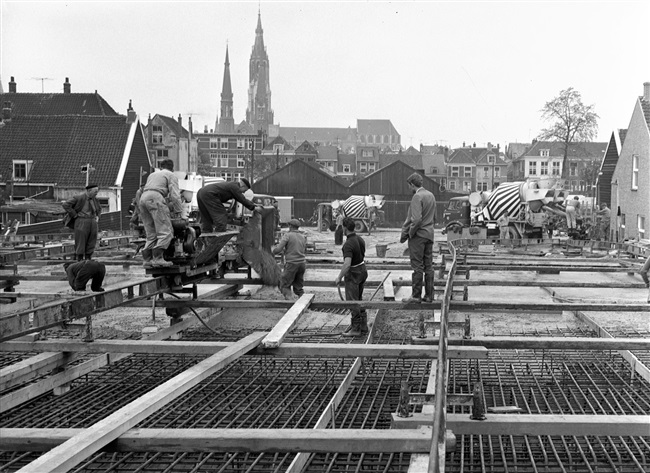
<point>42,79</point>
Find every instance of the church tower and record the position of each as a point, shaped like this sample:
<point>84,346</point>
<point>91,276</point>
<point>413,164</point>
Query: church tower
<point>227,122</point>
<point>259,113</point>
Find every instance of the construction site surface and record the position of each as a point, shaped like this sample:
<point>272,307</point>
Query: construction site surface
<point>534,357</point>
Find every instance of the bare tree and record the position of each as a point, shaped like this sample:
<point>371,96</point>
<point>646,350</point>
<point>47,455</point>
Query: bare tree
<point>571,121</point>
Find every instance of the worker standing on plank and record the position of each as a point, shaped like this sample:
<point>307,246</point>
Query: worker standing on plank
<point>292,244</point>
<point>211,198</point>
<point>160,192</point>
<point>355,274</point>
<point>418,230</point>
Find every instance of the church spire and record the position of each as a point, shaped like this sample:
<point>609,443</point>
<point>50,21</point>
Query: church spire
<point>227,122</point>
<point>259,113</point>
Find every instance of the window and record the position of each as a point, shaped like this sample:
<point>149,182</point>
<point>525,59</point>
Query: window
<point>363,167</point>
<point>241,143</point>
<point>103,204</point>
<point>486,172</point>
<point>532,168</point>
<point>330,165</point>
<point>467,186</point>
<point>491,159</point>
<point>573,169</point>
<point>278,147</point>
<point>223,143</point>
<point>640,223</point>
<point>481,186</point>
<point>574,184</point>
<point>156,134</point>
<point>214,143</point>
<point>543,171</point>
<point>241,162</point>
<point>434,170</point>
<point>452,185</point>
<point>22,169</point>
<point>544,153</point>
<point>635,172</point>
<point>223,160</point>
<point>346,168</point>
<point>366,153</point>
<point>556,168</point>
<point>227,176</point>
<point>497,171</point>
<point>455,171</point>
<point>371,167</point>
<point>162,153</point>
<point>468,171</point>
<point>214,160</point>
<point>239,175</point>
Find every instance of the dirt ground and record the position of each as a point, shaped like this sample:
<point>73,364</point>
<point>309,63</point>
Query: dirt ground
<point>129,322</point>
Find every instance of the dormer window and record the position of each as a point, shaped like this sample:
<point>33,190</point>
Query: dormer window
<point>491,159</point>
<point>278,147</point>
<point>544,153</point>
<point>22,169</point>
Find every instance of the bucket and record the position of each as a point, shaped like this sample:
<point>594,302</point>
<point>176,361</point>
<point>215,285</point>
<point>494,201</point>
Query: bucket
<point>381,250</point>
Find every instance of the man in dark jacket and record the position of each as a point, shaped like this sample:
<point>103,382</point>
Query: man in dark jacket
<point>81,272</point>
<point>83,212</point>
<point>211,198</point>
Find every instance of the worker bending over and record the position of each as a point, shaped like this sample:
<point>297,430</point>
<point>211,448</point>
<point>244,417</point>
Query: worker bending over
<point>81,272</point>
<point>211,198</point>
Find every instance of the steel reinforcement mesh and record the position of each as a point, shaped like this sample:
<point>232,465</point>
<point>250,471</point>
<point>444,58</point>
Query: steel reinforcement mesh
<point>267,392</point>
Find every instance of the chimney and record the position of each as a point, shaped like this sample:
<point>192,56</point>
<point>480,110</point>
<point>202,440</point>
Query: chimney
<point>463,144</point>
<point>66,86</point>
<point>189,125</point>
<point>130,114</point>
<point>6,111</point>
<point>646,90</point>
<point>474,146</point>
<point>12,86</point>
<point>205,129</point>
<point>180,120</point>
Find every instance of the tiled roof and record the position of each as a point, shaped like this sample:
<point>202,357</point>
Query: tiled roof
<point>278,140</point>
<point>579,149</point>
<point>26,104</point>
<point>466,155</point>
<point>413,160</point>
<point>321,135</point>
<point>327,153</point>
<point>645,106</point>
<point>174,126</point>
<point>375,127</point>
<point>433,160</point>
<point>59,146</point>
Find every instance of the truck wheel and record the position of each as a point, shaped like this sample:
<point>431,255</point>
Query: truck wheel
<point>359,226</point>
<point>325,225</point>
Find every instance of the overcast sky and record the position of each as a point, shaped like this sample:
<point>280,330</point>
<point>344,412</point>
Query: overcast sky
<point>442,72</point>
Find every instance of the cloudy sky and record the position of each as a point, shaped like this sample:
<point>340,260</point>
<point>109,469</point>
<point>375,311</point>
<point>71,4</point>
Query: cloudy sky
<point>442,72</point>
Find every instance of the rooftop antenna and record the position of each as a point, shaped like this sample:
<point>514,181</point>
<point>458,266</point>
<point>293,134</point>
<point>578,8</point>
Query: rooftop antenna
<point>42,79</point>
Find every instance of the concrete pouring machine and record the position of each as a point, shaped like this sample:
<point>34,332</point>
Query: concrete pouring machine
<point>527,204</point>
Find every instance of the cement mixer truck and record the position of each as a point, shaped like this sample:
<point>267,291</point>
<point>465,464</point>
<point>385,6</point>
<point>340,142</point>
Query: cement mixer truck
<point>527,204</point>
<point>365,210</point>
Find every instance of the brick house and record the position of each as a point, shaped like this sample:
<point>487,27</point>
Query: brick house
<point>630,192</point>
<point>167,139</point>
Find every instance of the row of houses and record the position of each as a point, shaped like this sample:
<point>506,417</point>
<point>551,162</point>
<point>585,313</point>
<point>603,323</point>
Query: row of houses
<point>52,144</point>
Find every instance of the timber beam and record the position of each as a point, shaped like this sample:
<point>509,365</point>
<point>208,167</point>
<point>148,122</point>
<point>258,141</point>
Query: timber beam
<point>181,347</point>
<point>536,424</point>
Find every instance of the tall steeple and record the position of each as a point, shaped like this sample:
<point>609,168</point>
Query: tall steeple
<point>259,113</point>
<point>227,122</point>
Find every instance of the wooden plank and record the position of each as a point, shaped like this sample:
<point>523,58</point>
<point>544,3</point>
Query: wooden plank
<point>457,305</point>
<point>389,290</point>
<point>536,424</point>
<point>334,350</point>
<point>233,440</point>
<point>29,368</point>
<point>80,446</point>
<point>287,322</point>
<point>553,343</point>
<point>637,365</point>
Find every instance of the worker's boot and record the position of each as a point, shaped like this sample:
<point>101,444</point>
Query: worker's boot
<point>354,330</point>
<point>363,325</point>
<point>416,287</point>
<point>147,255</point>
<point>88,256</point>
<point>158,261</point>
<point>428,288</point>
<point>80,257</point>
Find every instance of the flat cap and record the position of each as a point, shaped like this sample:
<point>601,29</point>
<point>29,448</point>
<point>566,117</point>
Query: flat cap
<point>294,222</point>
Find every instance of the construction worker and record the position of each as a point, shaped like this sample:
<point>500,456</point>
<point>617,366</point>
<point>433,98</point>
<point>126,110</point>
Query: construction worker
<point>604,214</point>
<point>211,198</point>
<point>355,274</point>
<point>292,244</point>
<point>160,192</point>
<point>418,230</point>
<point>572,207</point>
<point>504,227</point>
<point>83,212</point>
<point>81,272</point>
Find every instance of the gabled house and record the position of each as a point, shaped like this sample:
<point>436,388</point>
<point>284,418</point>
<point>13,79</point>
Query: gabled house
<point>461,168</point>
<point>630,215</point>
<point>607,167</point>
<point>544,161</point>
<point>168,139</point>
<point>378,133</point>
<point>49,153</point>
<point>280,151</point>
<point>232,155</point>
<point>491,169</point>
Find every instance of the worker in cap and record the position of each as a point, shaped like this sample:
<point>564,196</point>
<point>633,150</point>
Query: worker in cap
<point>292,245</point>
<point>418,230</point>
<point>82,215</point>
<point>159,195</point>
<point>211,198</point>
